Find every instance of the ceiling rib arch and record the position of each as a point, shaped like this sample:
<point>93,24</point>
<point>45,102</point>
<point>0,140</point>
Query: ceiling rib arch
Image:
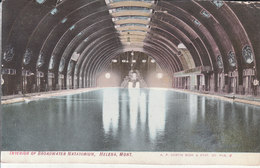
<point>55,31</point>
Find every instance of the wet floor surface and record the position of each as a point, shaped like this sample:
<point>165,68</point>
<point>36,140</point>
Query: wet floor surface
<point>131,120</point>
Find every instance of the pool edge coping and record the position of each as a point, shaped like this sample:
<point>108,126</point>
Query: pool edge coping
<point>82,90</point>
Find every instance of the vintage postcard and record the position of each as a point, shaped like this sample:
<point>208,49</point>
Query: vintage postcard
<point>148,82</point>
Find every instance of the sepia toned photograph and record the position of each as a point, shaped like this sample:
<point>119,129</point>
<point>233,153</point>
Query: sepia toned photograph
<point>130,81</point>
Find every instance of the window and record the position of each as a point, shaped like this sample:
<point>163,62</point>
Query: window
<point>40,60</point>
<point>248,54</point>
<point>64,20</point>
<point>62,64</point>
<point>54,11</point>
<point>132,24</point>
<point>219,62</point>
<point>218,3</point>
<point>72,27</point>
<point>27,56</point>
<point>80,34</point>
<point>70,67</point>
<point>51,65</point>
<point>9,53</point>
<point>130,8</point>
<point>196,22</point>
<point>232,59</point>
<point>181,46</point>
<point>205,13</point>
<point>122,21</point>
<point>133,31</point>
<point>75,56</point>
<point>131,17</point>
<point>40,1</point>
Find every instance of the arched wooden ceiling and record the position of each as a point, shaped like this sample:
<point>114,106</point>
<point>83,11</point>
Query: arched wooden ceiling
<point>46,35</point>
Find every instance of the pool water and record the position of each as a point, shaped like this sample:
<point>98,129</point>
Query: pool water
<point>116,119</point>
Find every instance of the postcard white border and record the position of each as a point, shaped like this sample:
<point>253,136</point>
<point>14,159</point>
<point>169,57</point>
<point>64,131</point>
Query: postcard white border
<point>147,158</point>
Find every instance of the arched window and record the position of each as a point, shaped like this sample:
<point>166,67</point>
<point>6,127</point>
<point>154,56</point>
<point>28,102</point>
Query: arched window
<point>232,59</point>
<point>52,61</point>
<point>248,54</point>
<point>9,53</point>
<point>40,61</point>
<point>62,64</point>
<point>219,62</point>
<point>27,56</point>
<point>40,1</point>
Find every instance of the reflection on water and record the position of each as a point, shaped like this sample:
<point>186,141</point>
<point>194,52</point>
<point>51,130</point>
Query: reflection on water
<point>156,113</point>
<point>193,103</point>
<point>138,116</point>
<point>110,110</point>
<point>134,96</point>
<point>131,120</point>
